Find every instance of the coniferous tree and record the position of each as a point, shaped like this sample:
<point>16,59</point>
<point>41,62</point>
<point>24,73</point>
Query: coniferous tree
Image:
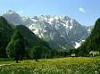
<point>16,48</point>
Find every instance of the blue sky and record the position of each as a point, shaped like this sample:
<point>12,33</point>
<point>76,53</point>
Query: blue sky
<point>84,11</point>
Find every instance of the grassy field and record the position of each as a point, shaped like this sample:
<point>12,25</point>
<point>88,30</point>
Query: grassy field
<point>69,65</point>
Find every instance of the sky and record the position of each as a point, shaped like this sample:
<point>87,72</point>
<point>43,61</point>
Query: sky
<point>84,11</point>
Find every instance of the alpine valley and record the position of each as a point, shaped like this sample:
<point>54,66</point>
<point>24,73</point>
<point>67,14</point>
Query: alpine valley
<point>61,32</point>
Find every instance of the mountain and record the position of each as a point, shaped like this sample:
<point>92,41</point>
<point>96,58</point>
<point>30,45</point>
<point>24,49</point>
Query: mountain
<point>5,34</point>
<point>92,43</point>
<point>13,18</point>
<point>31,40</point>
<point>62,32</point>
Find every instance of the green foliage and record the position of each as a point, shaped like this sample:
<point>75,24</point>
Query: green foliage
<point>40,52</point>
<point>5,35</point>
<point>92,43</point>
<point>16,48</point>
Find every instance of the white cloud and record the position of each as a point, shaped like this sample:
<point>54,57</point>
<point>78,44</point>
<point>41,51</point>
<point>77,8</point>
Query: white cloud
<point>82,10</point>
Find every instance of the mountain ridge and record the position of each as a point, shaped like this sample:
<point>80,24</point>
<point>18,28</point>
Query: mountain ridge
<point>59,31</point>
<point>30,39</point>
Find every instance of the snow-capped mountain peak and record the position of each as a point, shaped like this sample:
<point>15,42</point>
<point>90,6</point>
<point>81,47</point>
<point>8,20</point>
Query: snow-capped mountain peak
<point>59,31</point>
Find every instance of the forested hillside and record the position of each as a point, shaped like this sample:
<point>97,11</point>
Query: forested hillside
<point>30,39</point>
<point>92,43</point>
<point>5,34</point>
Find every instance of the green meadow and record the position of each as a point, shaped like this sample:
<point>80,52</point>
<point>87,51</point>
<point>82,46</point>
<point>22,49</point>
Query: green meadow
<point>68,65</point>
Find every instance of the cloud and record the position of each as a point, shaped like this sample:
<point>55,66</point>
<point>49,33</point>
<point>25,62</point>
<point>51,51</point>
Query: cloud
<point>82,10</point>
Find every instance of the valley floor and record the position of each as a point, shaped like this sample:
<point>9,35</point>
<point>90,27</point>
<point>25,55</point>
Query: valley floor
<point>68,65</point>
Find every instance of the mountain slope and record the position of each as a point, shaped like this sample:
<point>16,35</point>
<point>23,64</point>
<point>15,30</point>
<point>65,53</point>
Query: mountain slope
<point>59,31</point>
<point>31,40</point>
<point>92,43</point>
<point>13,18</point>
<point>5,34</point>
<point>62,32</point>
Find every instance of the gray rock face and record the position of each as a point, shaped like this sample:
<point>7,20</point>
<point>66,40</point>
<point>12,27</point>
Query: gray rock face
<point>59,31</point>
<point>13,18</point>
